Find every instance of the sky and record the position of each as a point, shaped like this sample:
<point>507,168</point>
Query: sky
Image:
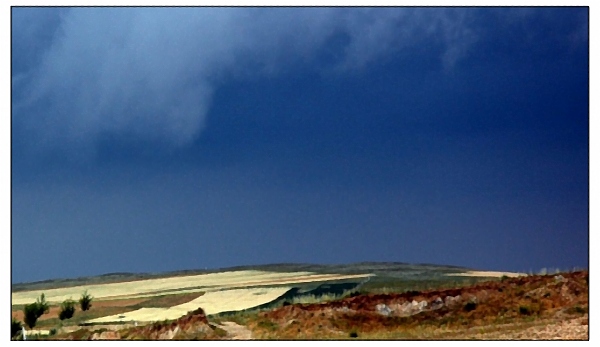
<point>161,139</point>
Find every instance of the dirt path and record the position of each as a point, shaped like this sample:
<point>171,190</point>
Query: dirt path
<point>236,331</point>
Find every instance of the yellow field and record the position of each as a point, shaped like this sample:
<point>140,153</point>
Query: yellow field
<point>211,303</point>
<point>175,285</point>
<point>488,274</point>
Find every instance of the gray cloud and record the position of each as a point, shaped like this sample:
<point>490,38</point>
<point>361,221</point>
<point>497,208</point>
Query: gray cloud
<point>149,73</point>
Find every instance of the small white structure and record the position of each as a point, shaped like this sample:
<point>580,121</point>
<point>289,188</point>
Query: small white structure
<point>24,333</point>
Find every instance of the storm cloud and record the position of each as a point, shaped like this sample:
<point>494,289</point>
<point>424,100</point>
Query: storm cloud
<point>149,74</point>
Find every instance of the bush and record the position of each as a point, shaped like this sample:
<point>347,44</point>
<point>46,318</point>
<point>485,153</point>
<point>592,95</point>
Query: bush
<point>524,310</point>
<point>353,334</point>
<point>67,309</point>
<point>15,327</point>
<point>470,306</point>
<point>86,301</point>
<point>354,294</point>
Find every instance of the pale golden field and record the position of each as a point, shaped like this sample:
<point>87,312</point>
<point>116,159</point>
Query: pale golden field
<point>211,303</point>
<point>488,274</point>
<point>224,291</point>
<point>174,285</point>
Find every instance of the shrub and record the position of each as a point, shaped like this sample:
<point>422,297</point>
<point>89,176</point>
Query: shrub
<point>353,334</point>
<point>52,331</point>
<point>86,301</point>
<point>67,309</point>
<point>15,327</point>
<point>470,306</point>
<point>354,294</point>
<point>524,310</point>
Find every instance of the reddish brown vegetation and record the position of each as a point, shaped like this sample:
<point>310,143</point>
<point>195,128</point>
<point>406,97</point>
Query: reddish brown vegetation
<point>457,313</point>
<point>477,305</point>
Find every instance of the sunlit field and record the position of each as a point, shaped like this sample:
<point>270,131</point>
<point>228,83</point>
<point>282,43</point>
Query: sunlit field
<point>211,303</point>
<point>487,274</point>
<point>177,285</point>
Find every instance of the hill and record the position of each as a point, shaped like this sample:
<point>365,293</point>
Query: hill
<point>381,269</point>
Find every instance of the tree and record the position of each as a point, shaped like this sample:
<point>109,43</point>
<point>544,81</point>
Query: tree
<point>86,301</point>
<point>67,309</point>
<point>42,305</point>
<point>30,313</point>
<point>35,310</point>
<point>15,327</point>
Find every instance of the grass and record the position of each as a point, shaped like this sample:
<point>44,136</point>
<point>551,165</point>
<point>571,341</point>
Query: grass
<point>390,285</point>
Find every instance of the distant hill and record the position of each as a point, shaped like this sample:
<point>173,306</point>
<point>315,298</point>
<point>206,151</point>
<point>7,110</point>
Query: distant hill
<point>383,269</point>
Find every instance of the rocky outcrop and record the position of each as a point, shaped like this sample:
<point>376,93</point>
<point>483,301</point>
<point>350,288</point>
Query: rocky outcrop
<point>194,325</point>
<point>106,335</point>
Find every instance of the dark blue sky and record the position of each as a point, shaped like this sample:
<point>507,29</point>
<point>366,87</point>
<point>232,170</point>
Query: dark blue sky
<point>156,139</point>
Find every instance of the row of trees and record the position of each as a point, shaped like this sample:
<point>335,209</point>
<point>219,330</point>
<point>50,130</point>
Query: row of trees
<point>67,308</point>
<point>35,310</point>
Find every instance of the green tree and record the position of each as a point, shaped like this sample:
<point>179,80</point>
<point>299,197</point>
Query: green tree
<point>67,309</point>
<point>15,327</point>
<point>86,301</point>
<point>35,310</point>
<point>30,313</point>
<point>42,305</point>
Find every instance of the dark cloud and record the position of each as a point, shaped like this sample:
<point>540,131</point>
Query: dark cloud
<point>150,73</point>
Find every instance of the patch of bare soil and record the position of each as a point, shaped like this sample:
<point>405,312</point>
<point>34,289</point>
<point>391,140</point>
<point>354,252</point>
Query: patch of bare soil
<point>118,303</point>
<point>236,331</point>
<point>106,335</point>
